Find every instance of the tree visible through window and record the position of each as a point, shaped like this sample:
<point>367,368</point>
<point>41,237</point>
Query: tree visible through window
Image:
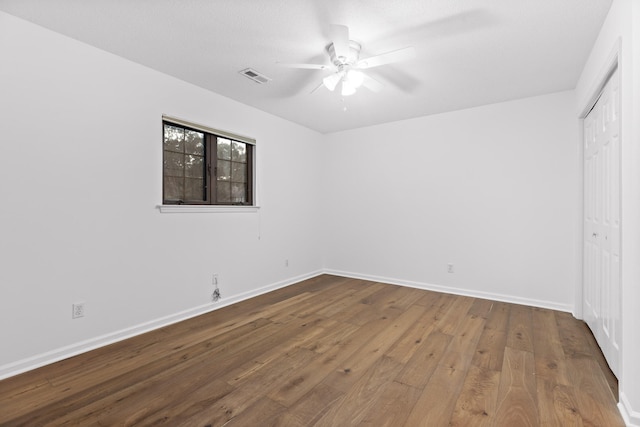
<point>203,168</point>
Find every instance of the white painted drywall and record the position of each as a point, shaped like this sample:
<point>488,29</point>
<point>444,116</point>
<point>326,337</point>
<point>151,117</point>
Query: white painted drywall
<point>492,190</point>
<point>621,29</point>
<point>81,177</point>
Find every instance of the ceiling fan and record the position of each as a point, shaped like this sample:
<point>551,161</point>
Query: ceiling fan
<point>347,65</point>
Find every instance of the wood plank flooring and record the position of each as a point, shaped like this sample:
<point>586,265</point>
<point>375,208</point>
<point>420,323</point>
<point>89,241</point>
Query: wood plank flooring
<point>332,351</point>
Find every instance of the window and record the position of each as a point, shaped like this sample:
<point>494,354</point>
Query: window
<point>202,166</point>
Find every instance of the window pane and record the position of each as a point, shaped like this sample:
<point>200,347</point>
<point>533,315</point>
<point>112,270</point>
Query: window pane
<point>173,164</point>
<point>224,192</point>
<point>173,138</point>
<point>194,166</point>
<point>224,149</point>
<point>238,193</point>
<point>173,188</point>
<point>239,152</point>
<point>238,172</point>
<point>194,189</point>
<point>186,177</point>
<point>194,142</point>
<point>224,170</point>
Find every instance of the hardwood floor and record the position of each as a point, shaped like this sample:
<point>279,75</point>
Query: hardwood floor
<point>332,351</point>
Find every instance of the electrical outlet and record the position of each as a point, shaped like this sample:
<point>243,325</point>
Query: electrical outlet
<point>214,280</point>
<point>77,310</point>
<point>286,262</point>
<point>450,268</point>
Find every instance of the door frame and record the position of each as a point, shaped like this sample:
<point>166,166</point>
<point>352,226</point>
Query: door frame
<point>610,66</point>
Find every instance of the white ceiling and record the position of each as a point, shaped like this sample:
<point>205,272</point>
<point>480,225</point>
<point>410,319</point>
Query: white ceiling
<point>469,52</point>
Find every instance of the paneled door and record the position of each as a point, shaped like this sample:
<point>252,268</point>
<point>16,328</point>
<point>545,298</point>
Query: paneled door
<point>602,164</point>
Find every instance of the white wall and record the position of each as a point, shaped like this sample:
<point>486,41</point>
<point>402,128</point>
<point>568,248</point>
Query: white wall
<point>493,190</point>
<point>621,29</point>
<point>80,180</point>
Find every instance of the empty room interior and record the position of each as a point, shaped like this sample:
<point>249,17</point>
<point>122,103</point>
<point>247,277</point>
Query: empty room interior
<point>320,212</point>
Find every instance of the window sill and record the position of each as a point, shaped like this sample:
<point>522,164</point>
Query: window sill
<point>206,209</point>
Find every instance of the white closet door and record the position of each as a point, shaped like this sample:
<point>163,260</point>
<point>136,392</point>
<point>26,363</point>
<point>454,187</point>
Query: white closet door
<point>602,161</point>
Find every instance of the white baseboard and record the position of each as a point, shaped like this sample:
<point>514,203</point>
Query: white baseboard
<point>61,353</point>
<point>631,417</point>
<point>456,291</point>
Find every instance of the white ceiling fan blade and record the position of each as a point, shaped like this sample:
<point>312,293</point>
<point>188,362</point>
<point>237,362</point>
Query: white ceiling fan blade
<point>371,84</point>
<point>387,58</point>
<point>340,39</point>
<point>332,81</point>
<point>305,66</point>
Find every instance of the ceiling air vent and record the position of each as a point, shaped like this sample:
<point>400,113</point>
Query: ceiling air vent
<point>255,76</point>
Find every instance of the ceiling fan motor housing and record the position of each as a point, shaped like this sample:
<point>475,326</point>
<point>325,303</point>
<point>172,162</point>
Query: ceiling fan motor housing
<point>352,59</point>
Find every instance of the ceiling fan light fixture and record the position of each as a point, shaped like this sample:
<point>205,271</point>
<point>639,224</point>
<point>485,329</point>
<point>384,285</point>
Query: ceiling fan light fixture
<point>347,88</point>
<point>330,82</point>
<point>355,78</point>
